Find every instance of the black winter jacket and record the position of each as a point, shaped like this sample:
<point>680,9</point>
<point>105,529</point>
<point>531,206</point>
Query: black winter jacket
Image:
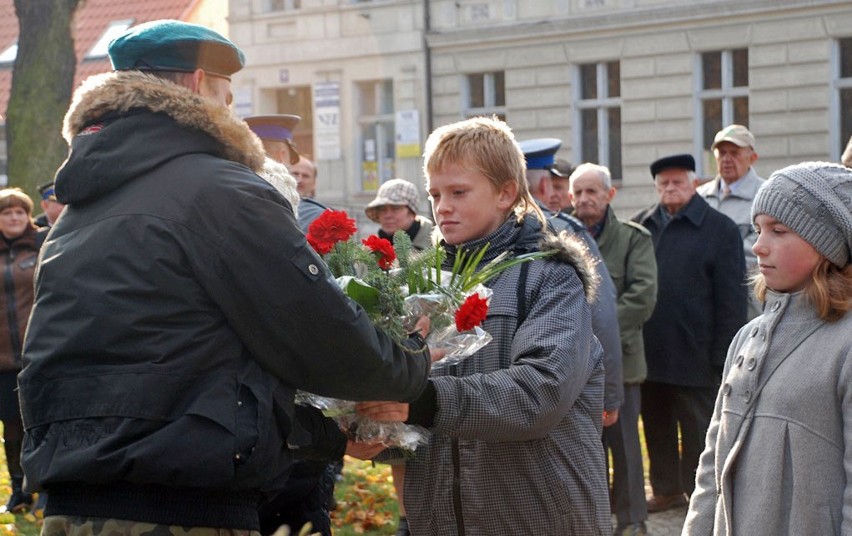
<point>701,298</point>
<point>178,308</point>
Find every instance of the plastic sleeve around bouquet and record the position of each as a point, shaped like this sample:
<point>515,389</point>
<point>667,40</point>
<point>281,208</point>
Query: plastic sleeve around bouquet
<point>444,334</point>
<point>391,434</point>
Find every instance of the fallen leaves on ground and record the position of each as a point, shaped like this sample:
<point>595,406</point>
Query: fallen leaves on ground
<point>366,500</point>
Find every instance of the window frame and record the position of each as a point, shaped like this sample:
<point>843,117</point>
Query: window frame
<point>726,94</point>
<point>383,120</point>
<point>489,96</point>
<point>600,103</point>
<point>286,6</point>
<point>838,84</point>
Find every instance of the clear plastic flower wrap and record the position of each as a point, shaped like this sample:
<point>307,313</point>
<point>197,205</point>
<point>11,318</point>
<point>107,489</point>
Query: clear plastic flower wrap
<point>396,285</point>
<point>443,311</point>
<point>391,434</point>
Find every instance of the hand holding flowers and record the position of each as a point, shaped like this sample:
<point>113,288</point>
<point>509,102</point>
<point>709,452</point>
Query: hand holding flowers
<point>399,289</point>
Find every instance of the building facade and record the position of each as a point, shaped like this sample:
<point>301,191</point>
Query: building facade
<point>622,82</point>
<point>95,24</point>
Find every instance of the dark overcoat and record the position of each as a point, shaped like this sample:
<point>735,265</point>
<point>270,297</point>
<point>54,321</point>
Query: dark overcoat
<point>701,297</point>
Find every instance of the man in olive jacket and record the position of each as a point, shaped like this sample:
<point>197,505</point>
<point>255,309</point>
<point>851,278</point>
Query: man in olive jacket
<point>178,308</point>
<point>701,303</point>
<point>628,252</point>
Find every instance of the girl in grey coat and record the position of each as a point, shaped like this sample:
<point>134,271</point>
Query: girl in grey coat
<point>516,426</point>
<point>778,457</point>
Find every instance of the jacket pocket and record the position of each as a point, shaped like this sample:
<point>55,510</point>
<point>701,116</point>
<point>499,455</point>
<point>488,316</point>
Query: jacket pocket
<point>264,420</point>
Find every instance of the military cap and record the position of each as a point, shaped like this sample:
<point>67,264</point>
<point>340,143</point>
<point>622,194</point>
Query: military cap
<point>276,127</point>
<point>173,45</point>
<point>47,191</point>
<point>678,161</point>
<point>540,152</point>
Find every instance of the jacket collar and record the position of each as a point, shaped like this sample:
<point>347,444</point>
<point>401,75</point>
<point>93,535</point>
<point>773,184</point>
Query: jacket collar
<point>25,241</point>
<point>694,212</point>
<point>526,236</point>
<point>746,187</point>
<point>118,93</point>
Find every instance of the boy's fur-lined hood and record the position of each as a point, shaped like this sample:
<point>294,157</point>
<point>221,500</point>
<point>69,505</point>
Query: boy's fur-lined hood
<point>571,249</point>
<point>121,92</point>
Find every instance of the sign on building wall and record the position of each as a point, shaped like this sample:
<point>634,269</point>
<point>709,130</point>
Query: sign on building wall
<point>327,120</point>
<point>407,129</point>
<point>243,105</point>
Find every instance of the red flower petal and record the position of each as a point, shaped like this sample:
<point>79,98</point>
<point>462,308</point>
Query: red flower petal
<point>471,313</point>
<point>384,249</point>
<point>331,227</point>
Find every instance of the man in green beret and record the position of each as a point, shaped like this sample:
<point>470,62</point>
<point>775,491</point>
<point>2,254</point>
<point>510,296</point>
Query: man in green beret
<point>179,308</point>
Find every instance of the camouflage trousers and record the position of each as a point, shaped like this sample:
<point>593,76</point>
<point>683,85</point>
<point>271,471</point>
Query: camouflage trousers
<point>97,526</point>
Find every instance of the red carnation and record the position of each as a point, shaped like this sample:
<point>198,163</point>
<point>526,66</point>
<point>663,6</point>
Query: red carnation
<point>471,313</point>
<point>331,227</point>
<point>383,248</point>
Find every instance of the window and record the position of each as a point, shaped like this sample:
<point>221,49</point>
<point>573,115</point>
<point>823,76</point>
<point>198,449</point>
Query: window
<point>841,129</point>
<point>484,94</point>
<point>115,28</point>
<point>597,109</point>
<point>722,98</point>
<point>284,5</point>
<point>9,55</point>
<point>376,132</point>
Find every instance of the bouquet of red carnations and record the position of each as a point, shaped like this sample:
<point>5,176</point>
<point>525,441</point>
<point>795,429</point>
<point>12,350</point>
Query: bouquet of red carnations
<point>397,286</point>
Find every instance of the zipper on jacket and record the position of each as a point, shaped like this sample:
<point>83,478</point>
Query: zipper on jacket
<point>11,313</point>
<point>457,501</point>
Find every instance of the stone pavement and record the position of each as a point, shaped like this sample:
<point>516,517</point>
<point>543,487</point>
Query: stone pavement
<point>668,523</point>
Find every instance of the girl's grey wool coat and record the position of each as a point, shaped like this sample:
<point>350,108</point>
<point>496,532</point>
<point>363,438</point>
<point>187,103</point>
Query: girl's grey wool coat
<point>778,459</point>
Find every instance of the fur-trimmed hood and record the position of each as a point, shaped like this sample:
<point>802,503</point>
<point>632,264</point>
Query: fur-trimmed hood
<point>570,249</point>
<point>121,124</point>
<point>525,236</point>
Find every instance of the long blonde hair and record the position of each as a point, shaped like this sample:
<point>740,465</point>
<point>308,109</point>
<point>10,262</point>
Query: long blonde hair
<point>486,145</point>
<point>829,290</point>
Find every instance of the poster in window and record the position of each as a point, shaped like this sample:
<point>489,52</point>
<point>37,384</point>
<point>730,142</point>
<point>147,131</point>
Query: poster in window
<point>327,120</point>
<point>407,126</point>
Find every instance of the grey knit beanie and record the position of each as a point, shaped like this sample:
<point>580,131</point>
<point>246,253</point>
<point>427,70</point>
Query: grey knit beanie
<point>814,199</point>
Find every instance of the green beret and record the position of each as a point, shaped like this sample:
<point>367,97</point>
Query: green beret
<point>172,45</point>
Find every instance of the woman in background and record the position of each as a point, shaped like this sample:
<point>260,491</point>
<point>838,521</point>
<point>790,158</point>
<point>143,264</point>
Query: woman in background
<point>18,256</point>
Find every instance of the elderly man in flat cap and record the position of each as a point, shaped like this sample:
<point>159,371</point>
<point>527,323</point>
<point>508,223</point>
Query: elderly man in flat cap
<point>701,304</point>
<point>732,191</point>
<point>172,321</point>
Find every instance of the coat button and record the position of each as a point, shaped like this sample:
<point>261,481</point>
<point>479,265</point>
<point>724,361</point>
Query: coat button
<point>752,362</point>
<point>726,389</point>
<point>754,331</point>
<point>776,305</point>
<point>312,268</point>
<point>739,360</point>
<point>747,396</point>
